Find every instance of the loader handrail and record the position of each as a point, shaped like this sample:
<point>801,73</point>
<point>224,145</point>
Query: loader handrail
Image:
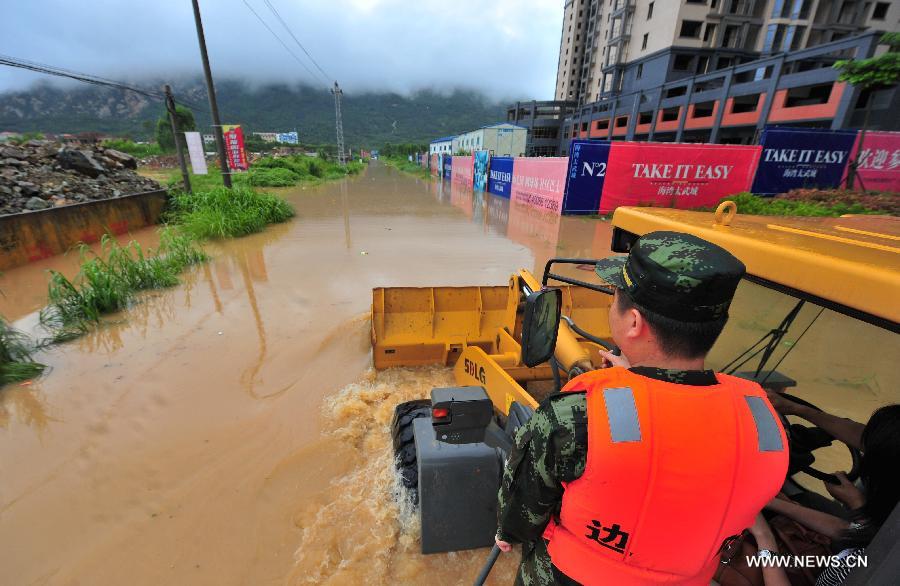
<point>569,280</point>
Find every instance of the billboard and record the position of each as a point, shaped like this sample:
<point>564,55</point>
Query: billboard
<point>435,164</point>
<point>879,162</point>
<point>540,182</point>
<point>447,166</point>
<point>234,147</point>
<point>588,161</point>
<point>500,176</point>
<point>462,170</point>
<point>195,151</point>
<point>288,137</point>
<point>674,174</point>
<point>794,158</point>
<point>482,164</point>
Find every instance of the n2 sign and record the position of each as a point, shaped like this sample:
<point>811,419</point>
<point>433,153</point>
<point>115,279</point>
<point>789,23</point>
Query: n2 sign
<point>797,158</point>
<point>588,161</point>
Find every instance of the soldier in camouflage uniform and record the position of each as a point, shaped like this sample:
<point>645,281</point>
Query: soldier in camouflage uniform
<point>687,280</point>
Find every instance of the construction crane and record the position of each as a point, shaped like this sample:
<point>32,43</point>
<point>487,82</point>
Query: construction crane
<point>339,124</point>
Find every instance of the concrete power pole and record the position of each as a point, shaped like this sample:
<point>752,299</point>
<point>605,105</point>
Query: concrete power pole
<point>213,105</point>
<point>339,124</point>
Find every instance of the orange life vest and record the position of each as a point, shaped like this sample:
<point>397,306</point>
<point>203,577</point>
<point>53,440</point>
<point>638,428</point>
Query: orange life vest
<point>672,472</point>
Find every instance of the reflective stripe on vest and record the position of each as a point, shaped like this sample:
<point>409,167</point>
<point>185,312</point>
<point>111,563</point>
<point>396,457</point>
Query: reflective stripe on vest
<point>767,433</point>
<point>622,414</point>
<point>672,472</point>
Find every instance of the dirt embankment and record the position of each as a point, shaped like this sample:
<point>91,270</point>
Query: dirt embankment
<point>42,174</point>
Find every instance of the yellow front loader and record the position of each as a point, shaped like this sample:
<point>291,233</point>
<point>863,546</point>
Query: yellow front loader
<point>511,345</point>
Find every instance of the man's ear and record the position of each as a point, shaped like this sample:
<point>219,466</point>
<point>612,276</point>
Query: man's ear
<point>635,323</point>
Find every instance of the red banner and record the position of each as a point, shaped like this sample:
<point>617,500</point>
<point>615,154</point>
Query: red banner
<point>462,170</point>
<point>234,147</point>
<point>675,175</point>
<point>879,161</point>
<point>539,181</point>
<point>435,164</point>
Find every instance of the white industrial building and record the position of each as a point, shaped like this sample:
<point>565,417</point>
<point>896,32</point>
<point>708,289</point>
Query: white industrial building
<point>503,140</point>
<point>441,145</point>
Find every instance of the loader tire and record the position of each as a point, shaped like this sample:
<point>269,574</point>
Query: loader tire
<point>405,445</point>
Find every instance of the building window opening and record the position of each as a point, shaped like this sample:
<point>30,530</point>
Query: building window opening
<point>621,121</point>
<point>640,71</point>
<point>670,114</point>
<point>690,29</point>
<point>645,118</point>
<point>650,11</point>
<point>644,42</point>
<point>683,62</point>
<point>602,124</point>
<point>880,12</point>
<point>743,104</point>
<point>810,95</point>
<point>676,91</point>
<point>703,109</point>
<point>584,126</point>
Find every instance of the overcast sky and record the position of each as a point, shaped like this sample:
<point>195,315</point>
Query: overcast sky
<point>505,48</point>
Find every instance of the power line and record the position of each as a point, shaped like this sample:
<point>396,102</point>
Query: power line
<point>296,40</point>
<point>86,78</point>
<point>283,44</point>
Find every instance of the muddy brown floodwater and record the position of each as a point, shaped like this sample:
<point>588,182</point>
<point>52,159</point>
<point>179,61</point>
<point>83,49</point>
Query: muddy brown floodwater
<point>231,430</point>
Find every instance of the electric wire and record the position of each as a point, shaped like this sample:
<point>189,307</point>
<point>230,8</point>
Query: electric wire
<point>296,40</point>
<point>794,345</point>
<point>88,78</point>
<point>283,44</point>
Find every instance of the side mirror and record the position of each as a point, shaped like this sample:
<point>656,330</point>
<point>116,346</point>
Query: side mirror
<point>540,326</point>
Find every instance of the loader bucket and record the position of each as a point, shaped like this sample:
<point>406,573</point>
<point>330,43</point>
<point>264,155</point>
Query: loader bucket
<point>413,326</point>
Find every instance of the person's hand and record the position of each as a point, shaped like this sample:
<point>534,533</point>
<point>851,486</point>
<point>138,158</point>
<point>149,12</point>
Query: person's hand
<point>762,533</point>
<point>783,405</point>
<point>610,359</point>
<point>846,492</point>
<point>504,546</point>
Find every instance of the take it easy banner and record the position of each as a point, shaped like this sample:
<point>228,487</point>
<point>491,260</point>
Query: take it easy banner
<point>799,158</point>
<point>674,174</point>
<point>234,147</point>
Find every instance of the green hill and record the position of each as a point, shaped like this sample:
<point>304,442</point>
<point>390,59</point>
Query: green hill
<point>370,119</point>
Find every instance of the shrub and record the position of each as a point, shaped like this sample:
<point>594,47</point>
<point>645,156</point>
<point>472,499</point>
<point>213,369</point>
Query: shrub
<point>272,177</point>
<point>824,204</point>
<point>226,213</point>
<point>16,363</point>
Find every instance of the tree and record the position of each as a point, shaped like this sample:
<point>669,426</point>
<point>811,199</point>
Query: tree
<point>184,119</point>
<point>870,75</point>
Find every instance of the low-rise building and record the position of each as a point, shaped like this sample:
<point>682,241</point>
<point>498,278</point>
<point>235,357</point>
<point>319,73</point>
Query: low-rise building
<point>544,122</point>
<point>502,140</point>
<point>442,145</point>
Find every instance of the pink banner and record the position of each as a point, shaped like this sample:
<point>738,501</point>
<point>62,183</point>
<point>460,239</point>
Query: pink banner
<point>462,170</point>
<point>435,164</point>
<point>879,161</point>
<point>675,175</point>
<point>539,182</point>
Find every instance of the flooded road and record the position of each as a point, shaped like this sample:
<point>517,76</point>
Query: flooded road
<point>231,431</point>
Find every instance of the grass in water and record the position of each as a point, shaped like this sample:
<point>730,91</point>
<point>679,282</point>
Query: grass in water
<point>226,213</point>
<point>16,349</point>
<point>108,280</point>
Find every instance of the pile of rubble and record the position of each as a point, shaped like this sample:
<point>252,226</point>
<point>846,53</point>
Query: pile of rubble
<point>40,174</point>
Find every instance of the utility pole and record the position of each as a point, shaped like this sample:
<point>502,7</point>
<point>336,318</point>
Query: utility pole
<point>211,91</point>
<point>170,107</point>
<point>338,122</point>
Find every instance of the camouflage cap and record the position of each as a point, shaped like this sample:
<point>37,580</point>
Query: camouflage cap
<point>676,275</point>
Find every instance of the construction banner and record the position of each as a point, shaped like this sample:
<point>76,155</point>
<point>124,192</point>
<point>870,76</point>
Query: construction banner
<point>234,147</point>
<point>540,182</point>
<point>195,151</point>
<point>447,166</point>
<point>797,158</point>
<point>588,161</point>
<point>675,175</point>
<point>500,176</point>
<point>462,170</point>
<point>482,164</point>
<point>878,163</point>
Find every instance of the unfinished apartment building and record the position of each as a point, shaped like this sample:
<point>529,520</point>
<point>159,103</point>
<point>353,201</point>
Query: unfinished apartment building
<point>715,70</point>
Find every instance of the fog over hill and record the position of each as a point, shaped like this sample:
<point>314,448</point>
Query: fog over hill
<point>370,119</point>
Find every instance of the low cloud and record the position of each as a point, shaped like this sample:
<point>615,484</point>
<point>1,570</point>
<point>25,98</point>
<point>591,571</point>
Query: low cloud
<point>505,48</point>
